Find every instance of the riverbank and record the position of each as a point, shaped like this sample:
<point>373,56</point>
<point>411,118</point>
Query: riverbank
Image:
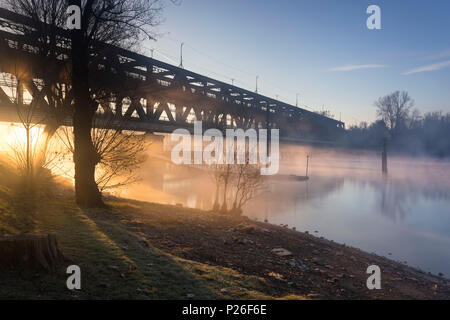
<point>308,266</point>
<point>139,250</point>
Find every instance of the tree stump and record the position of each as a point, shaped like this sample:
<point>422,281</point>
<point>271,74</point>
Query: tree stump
<point>30,251</point>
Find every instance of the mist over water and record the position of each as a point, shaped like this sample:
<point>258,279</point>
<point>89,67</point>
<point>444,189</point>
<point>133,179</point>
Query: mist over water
<point>404,216</point>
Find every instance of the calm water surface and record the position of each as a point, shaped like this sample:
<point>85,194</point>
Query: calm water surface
<point>405,216</point>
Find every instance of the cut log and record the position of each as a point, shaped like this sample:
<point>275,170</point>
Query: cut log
<point>30,251</point>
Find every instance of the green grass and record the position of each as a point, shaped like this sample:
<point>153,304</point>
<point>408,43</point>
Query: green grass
<point>115,262</point>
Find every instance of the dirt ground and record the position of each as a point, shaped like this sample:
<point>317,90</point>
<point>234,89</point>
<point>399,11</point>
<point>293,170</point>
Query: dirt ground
<point>310,266</point>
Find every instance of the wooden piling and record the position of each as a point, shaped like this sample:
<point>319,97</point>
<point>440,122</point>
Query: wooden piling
<point>384,168</point>
<point>307,166</point>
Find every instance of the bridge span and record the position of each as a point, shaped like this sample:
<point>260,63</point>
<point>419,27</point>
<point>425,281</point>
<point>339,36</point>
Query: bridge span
<point>138,92</point>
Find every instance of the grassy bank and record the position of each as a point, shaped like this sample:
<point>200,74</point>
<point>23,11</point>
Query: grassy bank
<point>116,262</point>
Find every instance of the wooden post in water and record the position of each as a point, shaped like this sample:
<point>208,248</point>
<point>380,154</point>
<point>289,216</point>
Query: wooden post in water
<point>307,165</point>
<point>384,168</point>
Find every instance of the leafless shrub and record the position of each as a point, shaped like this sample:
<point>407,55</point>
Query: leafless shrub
<point>239,183</point>
<point>30,153</point>
<point>120,153</point>
<point>249,183</point>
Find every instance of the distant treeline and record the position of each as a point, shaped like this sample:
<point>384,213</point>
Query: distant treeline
<point>406,131</point>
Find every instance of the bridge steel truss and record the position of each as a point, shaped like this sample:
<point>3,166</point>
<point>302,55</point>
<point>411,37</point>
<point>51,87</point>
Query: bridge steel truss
<point>142,93</point>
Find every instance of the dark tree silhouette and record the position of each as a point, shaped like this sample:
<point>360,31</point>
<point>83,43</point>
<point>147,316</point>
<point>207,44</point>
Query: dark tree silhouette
<point>121,151</point>
<point>115,22</point>
<point>394,110</point>
<point>46,16</point>
<point>120,23</point>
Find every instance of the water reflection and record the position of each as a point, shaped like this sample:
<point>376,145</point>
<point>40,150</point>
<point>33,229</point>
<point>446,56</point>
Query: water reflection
<point>346,200</point>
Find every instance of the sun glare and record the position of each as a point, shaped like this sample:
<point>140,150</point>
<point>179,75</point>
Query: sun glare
<point>16,135</point>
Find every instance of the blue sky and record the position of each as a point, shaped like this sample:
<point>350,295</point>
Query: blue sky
<point>321,49</point>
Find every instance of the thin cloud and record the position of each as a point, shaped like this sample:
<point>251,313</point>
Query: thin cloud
<point>431,67</point>
<point>357,67</point>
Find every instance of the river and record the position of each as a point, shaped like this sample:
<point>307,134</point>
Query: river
<point>404,216</point>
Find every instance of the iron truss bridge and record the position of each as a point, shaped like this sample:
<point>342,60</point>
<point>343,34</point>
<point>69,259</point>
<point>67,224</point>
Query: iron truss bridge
<point>137,92</point>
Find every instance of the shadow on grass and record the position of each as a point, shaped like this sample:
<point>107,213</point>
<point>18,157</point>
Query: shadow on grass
<point>118,263</point>
<point>128,266</point>
<point>169,276</point>
<point>114,263</point>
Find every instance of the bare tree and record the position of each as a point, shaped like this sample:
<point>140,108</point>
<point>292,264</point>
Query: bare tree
<point>223,176</point>
<point>216,172</point>
<point>394,110</point>
<point>226,178</point>
<point>415,119</point>
<point>238,182</point>
<point>47,17</point>
<point>120,152</point>
<point>30,156</point>
<point>248,183</point>
<point>114,22</point>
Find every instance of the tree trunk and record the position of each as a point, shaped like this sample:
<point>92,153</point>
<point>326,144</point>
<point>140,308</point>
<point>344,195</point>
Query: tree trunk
<point>216,206</point>
<point>29,252</point>
<point>225,187</point>
<point>85,157</point>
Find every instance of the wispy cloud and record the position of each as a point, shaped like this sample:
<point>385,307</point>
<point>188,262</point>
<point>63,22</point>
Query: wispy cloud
<point>357,67</point>
<point>430,67</point>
